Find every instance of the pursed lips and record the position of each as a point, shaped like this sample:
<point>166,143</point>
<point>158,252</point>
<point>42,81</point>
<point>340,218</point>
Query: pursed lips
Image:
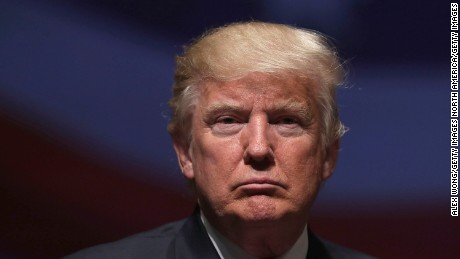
<point>260,183</point>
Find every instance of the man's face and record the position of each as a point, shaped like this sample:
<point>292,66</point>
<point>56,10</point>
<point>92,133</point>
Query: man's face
<point>255,153</point>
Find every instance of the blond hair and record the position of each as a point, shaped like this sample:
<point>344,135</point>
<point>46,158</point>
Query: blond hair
<point>233,51</point>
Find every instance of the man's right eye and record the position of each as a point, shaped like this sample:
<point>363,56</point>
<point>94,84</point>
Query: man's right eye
<point>227,120</point>
<point>227,125</point>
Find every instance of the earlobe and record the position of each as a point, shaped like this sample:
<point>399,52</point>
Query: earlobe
<point>184,159</point>
<point>330,160</point>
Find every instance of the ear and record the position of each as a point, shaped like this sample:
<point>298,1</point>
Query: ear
<point>331,154</point>
<point>184,159</point>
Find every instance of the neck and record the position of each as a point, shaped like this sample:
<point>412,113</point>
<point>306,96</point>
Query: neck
<point>265,239</point>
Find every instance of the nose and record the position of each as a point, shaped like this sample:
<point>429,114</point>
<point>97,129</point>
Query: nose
<point>256,139</point>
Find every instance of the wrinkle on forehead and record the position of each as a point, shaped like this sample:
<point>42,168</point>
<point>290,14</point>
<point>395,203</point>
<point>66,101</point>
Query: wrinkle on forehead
<point>261,93</point>
<point>303,109</point>
<point>259,81</point>
<point>281,92</point>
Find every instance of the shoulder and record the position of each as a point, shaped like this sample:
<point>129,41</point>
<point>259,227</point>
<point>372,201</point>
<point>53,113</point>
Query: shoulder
<point>142,245</point>
<point>324,249</point>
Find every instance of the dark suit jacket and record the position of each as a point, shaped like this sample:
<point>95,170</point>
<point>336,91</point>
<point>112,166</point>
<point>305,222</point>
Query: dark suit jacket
<point>188,239</point>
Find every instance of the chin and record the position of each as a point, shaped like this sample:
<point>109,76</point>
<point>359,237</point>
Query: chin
<point>260,208</point>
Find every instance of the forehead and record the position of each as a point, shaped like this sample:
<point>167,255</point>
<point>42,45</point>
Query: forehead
<point>259,87</point>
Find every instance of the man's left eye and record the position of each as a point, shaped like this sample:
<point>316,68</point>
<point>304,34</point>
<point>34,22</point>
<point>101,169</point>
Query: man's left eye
<point>287,121</point>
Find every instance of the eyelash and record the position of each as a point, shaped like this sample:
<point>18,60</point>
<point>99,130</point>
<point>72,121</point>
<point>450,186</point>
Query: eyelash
<point>229,125</point>
<point>287,120</point>
<point>282,120</point>
<point>226,120</point>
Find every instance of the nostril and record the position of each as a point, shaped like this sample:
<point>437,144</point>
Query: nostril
<point>260,164</point>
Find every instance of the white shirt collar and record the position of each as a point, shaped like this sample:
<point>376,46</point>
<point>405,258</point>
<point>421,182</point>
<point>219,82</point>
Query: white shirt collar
<point>228,250</point>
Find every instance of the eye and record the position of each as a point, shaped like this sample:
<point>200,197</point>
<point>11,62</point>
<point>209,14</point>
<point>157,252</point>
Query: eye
<point>287,121</point>
<point>226,120</point>
<point>227,125</point>
<point>288,126</point>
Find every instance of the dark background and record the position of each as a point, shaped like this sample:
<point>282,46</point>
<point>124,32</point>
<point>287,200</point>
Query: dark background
<point>84,153</point>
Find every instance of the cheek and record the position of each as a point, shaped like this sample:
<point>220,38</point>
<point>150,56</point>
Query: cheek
<point>304,180</point>
<point>217,151</point>
<point>214,161</point>
<point>214,165</point>
<point>302,166</point>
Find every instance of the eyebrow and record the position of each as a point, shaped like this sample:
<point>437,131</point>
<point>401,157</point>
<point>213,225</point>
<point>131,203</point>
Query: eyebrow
<point>217,108</point>
<point>302,109</point>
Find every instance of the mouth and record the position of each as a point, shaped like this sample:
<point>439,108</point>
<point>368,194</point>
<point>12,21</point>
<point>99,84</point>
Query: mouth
<point>261,186</point>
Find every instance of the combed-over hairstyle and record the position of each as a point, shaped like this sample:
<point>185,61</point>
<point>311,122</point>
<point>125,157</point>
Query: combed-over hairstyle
<point>235,50</point>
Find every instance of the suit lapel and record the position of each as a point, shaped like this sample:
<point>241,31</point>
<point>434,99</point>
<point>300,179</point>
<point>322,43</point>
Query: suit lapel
<point>316,248</point>
<point>192,241</point>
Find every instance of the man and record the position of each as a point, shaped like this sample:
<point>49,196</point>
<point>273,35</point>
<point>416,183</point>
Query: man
<point>256,131</point>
